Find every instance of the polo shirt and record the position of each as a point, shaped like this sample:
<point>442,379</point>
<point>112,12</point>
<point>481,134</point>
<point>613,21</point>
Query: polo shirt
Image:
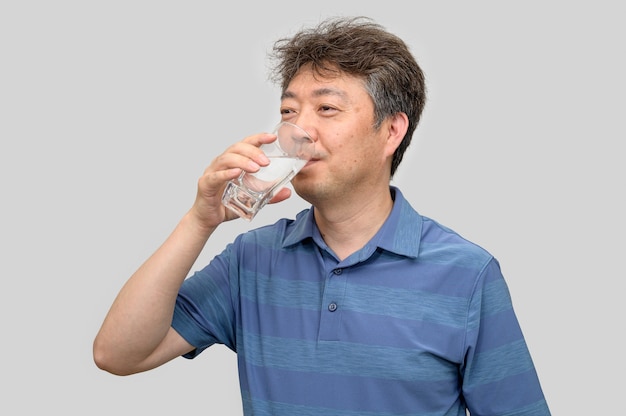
<point>417,322</point>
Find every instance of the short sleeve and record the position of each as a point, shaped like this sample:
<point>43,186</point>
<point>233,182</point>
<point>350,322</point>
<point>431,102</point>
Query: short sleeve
<point>498,374</point>
<point>204,313</point>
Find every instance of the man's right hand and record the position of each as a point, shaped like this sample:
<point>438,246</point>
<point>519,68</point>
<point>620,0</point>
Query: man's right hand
<point>245,155</point>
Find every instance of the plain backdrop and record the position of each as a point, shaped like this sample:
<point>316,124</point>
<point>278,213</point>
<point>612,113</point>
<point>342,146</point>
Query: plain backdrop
<point>110,111</point>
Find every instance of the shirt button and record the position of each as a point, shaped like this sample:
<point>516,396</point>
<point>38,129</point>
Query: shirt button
<point>332,307</point>
<point>338,271</point>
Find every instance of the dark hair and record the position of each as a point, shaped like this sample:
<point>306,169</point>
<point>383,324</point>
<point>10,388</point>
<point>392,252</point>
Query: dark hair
<point>359,47</point>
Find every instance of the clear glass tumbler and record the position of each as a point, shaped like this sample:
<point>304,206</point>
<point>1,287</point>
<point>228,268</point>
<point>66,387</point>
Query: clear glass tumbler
<point>250,192</point>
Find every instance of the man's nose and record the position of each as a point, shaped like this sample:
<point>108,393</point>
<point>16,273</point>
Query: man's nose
<point>307,124</point>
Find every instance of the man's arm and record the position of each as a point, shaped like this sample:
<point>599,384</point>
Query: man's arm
<point>136,334</point>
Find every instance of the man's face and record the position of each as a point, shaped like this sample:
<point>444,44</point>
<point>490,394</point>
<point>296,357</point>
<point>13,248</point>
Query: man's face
<point>351,157</point>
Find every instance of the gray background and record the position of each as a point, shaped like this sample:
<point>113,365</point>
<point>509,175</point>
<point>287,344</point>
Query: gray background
<point>110,111</point>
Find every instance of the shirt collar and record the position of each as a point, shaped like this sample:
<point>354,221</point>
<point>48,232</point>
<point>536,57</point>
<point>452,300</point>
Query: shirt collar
<point>400,233</point>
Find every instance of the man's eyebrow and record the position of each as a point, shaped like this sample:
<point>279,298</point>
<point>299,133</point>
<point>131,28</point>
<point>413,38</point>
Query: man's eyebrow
<point>318,93</point>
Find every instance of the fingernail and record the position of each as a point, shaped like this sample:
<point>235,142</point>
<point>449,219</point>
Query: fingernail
<point>263,159</point>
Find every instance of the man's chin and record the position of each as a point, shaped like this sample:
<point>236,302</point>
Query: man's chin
<point>304,188</point>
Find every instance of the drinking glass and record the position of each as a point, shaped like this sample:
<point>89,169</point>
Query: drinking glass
<point>250,192</point>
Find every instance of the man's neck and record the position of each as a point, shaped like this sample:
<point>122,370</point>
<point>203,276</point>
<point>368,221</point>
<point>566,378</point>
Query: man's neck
<point>346,228</point>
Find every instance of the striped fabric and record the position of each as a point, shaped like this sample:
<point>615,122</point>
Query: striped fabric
<point>417,322</point>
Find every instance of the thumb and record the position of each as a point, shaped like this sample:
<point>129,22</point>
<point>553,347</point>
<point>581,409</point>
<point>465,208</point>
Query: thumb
<point>280,196</point>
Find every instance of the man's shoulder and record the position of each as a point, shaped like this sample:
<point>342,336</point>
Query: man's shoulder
<point>275,234</point>
<point>446,244</point>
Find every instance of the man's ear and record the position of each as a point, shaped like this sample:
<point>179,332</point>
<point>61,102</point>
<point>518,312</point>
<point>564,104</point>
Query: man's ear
<point>397,125</point>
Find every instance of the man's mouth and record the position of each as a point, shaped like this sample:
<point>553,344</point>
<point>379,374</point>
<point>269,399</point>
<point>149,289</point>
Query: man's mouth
<point>310,162</point>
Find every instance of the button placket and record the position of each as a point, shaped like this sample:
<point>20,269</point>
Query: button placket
<point>334,291</point>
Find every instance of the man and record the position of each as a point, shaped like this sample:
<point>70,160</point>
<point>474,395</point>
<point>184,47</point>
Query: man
<point>359,305</point>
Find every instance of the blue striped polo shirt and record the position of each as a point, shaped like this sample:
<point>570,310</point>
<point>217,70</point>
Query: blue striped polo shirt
<point>417,322</point>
